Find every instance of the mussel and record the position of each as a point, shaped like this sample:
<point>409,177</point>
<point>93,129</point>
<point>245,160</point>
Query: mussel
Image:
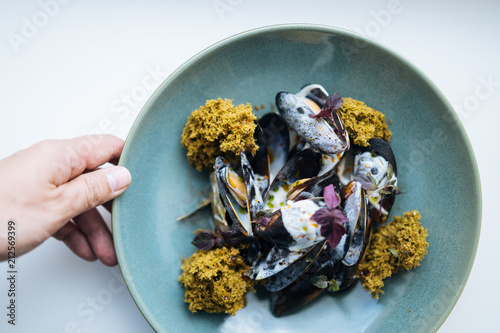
<point>375,168</point>
<point>271,197</point>
<point>233,192</point>
<point>327,138</point>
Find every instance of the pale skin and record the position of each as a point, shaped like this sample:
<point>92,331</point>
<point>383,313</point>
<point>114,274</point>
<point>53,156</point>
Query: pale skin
<point>52,189</point>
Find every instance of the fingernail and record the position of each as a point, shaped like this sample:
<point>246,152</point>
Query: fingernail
<point>118,178</point>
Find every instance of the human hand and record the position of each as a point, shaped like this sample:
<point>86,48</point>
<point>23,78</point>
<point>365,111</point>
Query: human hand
<point>52,189</point>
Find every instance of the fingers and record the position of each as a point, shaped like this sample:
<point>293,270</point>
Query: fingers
<point>72,236</point>
<point>92,189</point>
<point>89,238</point>
<point>73,156</point>
<point>98,235</point>
<point>108,205</point>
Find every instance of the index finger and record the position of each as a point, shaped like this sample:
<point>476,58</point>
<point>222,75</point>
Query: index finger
<point>84,153</point>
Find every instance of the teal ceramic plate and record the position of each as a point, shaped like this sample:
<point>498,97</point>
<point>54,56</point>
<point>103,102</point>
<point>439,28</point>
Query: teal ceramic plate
<point>436,169</point>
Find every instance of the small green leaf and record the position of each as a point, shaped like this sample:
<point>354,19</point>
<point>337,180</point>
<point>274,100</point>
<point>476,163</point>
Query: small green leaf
<point>262,213</point>
<point>394,253</point>
<point>390,171</point>
<point>335,286</point>
<point>319,281</point>
<point>396,189</point>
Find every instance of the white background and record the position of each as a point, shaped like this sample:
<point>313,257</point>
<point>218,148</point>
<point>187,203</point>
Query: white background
<point>89,66</point>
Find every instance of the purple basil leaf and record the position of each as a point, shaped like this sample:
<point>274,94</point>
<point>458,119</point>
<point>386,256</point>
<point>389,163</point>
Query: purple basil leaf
<point>263,213</point>
<point>338,216</point>
<point>205,240</point>
<point>324,113</point>
<point>334,103</point>
<point>322,216</point>
<point>219,241</point>
<point>263,221</point>
<point>367,181</point>
<point>336,235</point>
<point>232,237</point>
<point>331,221</point>
<point>332,199</point>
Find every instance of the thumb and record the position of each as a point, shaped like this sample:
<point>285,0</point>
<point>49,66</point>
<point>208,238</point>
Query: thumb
<point>92,189</point>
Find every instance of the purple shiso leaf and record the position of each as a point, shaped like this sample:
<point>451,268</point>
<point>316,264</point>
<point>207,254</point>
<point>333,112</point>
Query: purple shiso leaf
<point>205,240</point>
<point>334,103</point>
<point>326,217</point>
<point>336,235</point>
<point>338,216</point>
<point>332,199</point>
<point>331,219</point>
<point>219,241</point>
<point>322,216</point>
<point>263,221</point>
<point>324,113</point>
<point>232,237</point>
<point>367,181</point>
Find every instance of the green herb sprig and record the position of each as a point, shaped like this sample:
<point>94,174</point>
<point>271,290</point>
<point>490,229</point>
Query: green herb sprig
<point>322,282</point>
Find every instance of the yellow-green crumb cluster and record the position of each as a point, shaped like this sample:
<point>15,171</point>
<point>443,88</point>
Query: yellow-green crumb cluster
<point>398,245</point>
<point>363,122</point>
<point>215,280</point>
<point>218,128</point>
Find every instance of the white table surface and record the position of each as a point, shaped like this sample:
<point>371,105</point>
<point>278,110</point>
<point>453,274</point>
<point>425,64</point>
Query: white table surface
<point>89,67</point>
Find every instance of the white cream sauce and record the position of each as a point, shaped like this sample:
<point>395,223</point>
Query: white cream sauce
<point>296,218</point>
<point>372,166</point>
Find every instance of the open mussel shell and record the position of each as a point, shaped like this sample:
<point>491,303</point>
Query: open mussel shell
<point>253,195</point>
<point>355,208</point>
<point>315,93</point>
<point>386,202</point>
<point>302,290</point>
<point>313,187</point>
<point>375,167</point>
<point>273,230</point>
<point>260,161</point>
<point>344,168</point>
<point>374,164</point>
<point>276,135</point>
<point>315,96</point>
<point>305,164</point>
<point>353,204</point>
<point>218,207</point>
<point>291,227</point>
<point>383,148</point>
<point>239,216</point>
<point>275,261</point>
<point>288,275</point>
<point>315,131</point>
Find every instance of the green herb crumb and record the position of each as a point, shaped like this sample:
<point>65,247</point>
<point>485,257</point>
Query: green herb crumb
<point>215,280</point>
<point>398,245</point>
